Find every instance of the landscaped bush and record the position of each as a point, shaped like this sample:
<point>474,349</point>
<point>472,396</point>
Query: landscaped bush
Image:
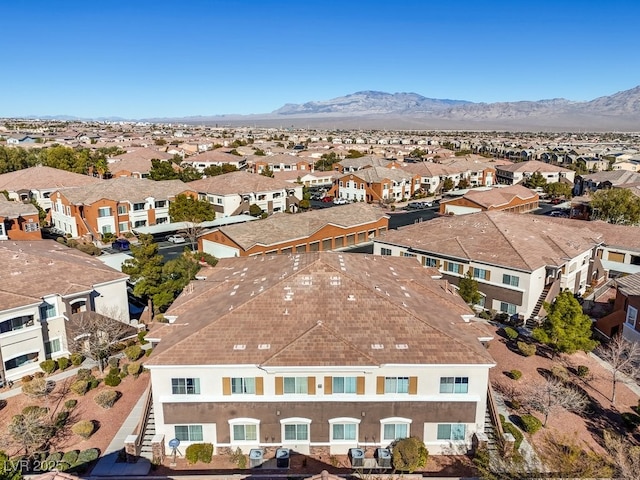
<point>107,398</point>
<point>199,452</point>
<point>112,380</point>
<point>76,359</point>
<point>70,404</point>
<point>527,349</point>
<point>530,424</point>
<point>88,456</point>
<point>83,428</point>
<point>49,366</point>
<point>53,458</point>
<point>134,369</point>
<point>93,382</point>
<point>83,374</point>
<point>133,353</point>
<point>148,351</point>
<point>125,371</point>
<point>38,375</point>
<point>70,457</point>
<point>38,387</point>
<point>630,420</point>
<point>61,419</point>
<point>114,362</point>
<point>80,387</point>
<point>63,363</point>
<point>63,466</point>
<point>582,371</point>
<point>511,333</point>
<point>26,379</point>
<point>515,431</point>
<point>114,371</point>
<point>37,410</point>
<point>560,372</point>
<point>141,336</point>
<point>409,454</point>
<point>515,374</point>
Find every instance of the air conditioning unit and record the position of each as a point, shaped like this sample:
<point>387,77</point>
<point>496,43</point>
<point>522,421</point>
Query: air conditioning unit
<point>282,458</point>
<point>256,457</point>
<point>383,457</point>
<point>356,456</point>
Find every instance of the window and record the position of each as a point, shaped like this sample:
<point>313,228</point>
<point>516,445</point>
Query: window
<point>47,311</point>
<point>510,280</point>
<point>480,273</point>
<point>21,360</point>
<point>140,223</point>
<point>297,431</point>
<point>343,431</point>
<point>344,384</point>
<point>243,385</point>
<point>138,206</point>
<point>410,255</point>
<point>429,262</point>
<point>245,433</point>
<point>123,226</point>
<point>453,267</point>
<point>188,433</point>
<point>160,204</point>
<point>510,308</point>
<point>17,323</point>
<point>104,212</point>
<point>31,227</point>
<point>295,384</point>
<point>219,200</point>
<point>394,431</point>
<point>385,251</point>
<point>185,386</point>
<point>454,384</point>
<point>106,229</point>
<point>396,385</point>
<point>339,242</point>
<point>122,209</point>
<point>632,315</point>
<point>52,346</point>
<point>451,431</point>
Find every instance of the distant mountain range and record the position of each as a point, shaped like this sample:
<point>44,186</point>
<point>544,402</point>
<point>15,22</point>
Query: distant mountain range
<point>372,109</point>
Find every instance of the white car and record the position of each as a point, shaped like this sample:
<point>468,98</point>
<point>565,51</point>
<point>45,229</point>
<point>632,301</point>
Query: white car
<point>176,239</point>
<point>340,201</point>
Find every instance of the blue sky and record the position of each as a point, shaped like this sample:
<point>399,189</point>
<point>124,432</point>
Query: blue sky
<point>140,58</point>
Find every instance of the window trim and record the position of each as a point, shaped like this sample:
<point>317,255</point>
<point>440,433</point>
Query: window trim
<point>451,431</point>
<point>397,384</point>
<point>244,422</point>
<point>453,385</point>
<point>628,316</point>
<point>195,386</point>
<point>305,385</point>
<point>344,378</point>
<point>189,432</point>
<point>344,421</point>
<point>395,421</point>
<point>295,421</point>
<point>243,385</point>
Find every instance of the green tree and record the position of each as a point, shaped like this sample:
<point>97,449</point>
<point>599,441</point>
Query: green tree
<point>326,161</point>
<point>536,180</point>
<point>255,210</point>
<point>468,289</point>
<point>162,170</point>
<point>189,173</point>
<point>464,183</point>
<point>259,152</point>
<point>409,454</point>
<point>267,172</point>
<point>42,215</point>
<point>145,269</point>
<point>215,170</point>
<point>193,212</point>
<point>354,154</point>
<point>8,469</point>
<point>566,329</point>
<point>558,189</point>
<point>616,205</point>
<point>418,153</point>
<point>447,184</point>
<point>177,274</point>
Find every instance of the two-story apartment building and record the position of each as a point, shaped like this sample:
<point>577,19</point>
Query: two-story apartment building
<point>45,284</point>
<point>517,172</point>
<point>375,184</point>
<point>319,352</point>
<point>519,261</point>
<point>114,206</point>
<point>217,158</point>
<point>233,193</point>
<point>624,317</point>
<point>314,231</point>
<point>18,221</point>
<point>281,163</point>
<point>592,182</point>
<point>515,198</point>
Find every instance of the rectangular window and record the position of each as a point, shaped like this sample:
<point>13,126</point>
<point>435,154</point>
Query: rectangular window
<point>52,346</point>
<point>454,384</point>
<point>104,212</point>
<point>243,385</point>
<point>47,311</point>
<point>219,200</point>
<point>245,433</point>
<point>160,204</point>
<point>17,323</point>
<point>632,316</point>
<point>454,267</point>
<point>295,384</point>
<point>123,226</point>
<point>407,254</point>
<point>480,273</point>
<point>122,209</point>
<point>396,385</point>
<point>510,280</point>
<point>185,386</point>
<point>429,262</point>
<point>140,223</point>
<point>21,360</point>
<point>385,251</point>
<point>31,227</point>
<point>339,242</point>
<point>451,431</point>
<point>394,431</point>
<point>344,431</point>
<point>326,244</point>
<point>344,385</point>
<point>509,308</point>
<point>106,229</point>
<point>298,431</point>
<point>138,206</point>
<point>188,433</point>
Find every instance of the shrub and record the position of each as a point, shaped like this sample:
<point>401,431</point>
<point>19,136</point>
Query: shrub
<point>114,362</point>
<point>63,363</point>
<point>114,371</point>
<point>54,458</point>
<point>107,398</point>
<point>83,374</point>
<point>141,335</point>
<point>530,424</point>
<point>582,371</point>
<point>26,379</point>
<point>38,387</point>
<point>160,318</point>
<point>38,375</point>
<point>76,359</point>
<point>239,458</point>
<point>133,353</point>
<point>124,373</point>
<point>70,457</point>
<point>112,380</point>
<point>88,456</point>
<point>80,387</point>
<point>134,369</point>
<point>560,372</point>
<point>511,333</point>
<point>37,410</point>
<point>148,351</point>
<point>83,428</point>
<point>409,454</point>
<point>93,382</point>
<point>513,430</point>
<point>70,404</point>
<point>630,420</point>
<point>199,452</point>
<point>527,349</point>
<point>49,366</point>
<point>61,419</point>
<point>515,374</point>
<point>63,466</point>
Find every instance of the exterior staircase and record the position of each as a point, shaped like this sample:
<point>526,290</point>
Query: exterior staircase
<point>148,433</point>
<point>532,322</point>
<point>490,432</point>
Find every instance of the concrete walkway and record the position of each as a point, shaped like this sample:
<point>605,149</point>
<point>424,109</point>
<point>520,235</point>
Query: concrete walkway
<point>108,465</point>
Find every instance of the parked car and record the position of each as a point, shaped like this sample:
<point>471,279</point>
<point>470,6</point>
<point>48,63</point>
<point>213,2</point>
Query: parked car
<point>176,239</point>
<point>327,199</point>
<point>121,244</point>
<point>340,201</point>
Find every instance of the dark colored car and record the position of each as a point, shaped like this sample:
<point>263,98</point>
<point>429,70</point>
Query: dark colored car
<point>121,244</point>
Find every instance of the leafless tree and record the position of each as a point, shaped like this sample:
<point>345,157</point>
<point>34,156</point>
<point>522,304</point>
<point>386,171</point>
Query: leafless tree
<point>565,457</point>
<point>31,429</point>
<point>623,356</point>
<point>625,456</point>
<point>553,395</point>
<point>94,334</point>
